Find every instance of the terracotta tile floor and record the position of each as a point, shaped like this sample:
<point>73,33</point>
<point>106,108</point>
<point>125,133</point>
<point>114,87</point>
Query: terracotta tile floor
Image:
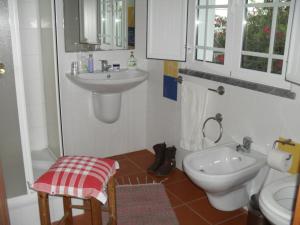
<point>189,201</point>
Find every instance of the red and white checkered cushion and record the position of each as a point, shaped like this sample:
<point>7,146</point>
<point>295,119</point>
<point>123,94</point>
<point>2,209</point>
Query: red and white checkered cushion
<point>78,176</point>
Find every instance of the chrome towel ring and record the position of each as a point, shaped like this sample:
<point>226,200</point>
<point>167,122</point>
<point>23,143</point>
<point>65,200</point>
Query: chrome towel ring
<point>218,118</point>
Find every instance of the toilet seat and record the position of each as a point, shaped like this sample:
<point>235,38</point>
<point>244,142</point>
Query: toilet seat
<point>276,200</point>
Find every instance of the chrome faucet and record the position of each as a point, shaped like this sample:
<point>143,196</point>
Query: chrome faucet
<point>104,65</point>
<point>246,147</point>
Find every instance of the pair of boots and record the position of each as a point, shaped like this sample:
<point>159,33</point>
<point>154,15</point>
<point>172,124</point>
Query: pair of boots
<point>164,160</point>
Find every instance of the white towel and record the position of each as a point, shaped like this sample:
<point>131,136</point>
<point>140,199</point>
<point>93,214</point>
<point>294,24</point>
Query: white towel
<point>193,106</point>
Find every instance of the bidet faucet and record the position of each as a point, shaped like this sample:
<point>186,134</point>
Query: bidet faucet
<point>246,147</point>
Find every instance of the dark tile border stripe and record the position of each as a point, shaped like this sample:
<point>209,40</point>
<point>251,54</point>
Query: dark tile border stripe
<point>285,93</point>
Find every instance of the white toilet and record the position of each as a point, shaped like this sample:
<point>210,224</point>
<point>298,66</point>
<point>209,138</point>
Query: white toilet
<point>225,174</point>
<point>277,200</point>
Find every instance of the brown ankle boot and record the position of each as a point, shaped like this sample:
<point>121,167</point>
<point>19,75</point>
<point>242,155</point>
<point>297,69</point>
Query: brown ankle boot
<point>159,150</point>
<point>169,162</point>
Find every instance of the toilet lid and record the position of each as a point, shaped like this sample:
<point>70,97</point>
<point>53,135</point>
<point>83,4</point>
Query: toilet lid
<point>278,197</point>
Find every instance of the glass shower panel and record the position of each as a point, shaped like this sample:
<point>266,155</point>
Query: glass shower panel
<point>10,141</point>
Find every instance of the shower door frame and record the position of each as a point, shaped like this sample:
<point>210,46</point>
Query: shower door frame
<point>20,90</point>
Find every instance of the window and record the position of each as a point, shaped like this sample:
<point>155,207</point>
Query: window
<point>113,23</point>
<point>106,21</point>
<point>264,36</point>
<point>211,30</point>
<point>256,31</point>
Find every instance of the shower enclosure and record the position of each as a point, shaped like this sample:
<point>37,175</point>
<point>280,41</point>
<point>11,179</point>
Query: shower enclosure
<point>43,110</point>
<point>30,132</point>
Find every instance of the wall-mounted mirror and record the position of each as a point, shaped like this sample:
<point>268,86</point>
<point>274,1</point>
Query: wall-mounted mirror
<point>95,25</point>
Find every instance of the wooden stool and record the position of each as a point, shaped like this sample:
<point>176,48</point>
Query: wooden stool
<point>91,205</point>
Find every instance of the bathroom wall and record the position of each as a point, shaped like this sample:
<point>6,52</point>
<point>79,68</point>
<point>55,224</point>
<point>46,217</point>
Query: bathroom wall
<point>163,115</point>
<point>82,132</point>
<point>33,72</point>
<point>163,118</point>
<point>246,113</point>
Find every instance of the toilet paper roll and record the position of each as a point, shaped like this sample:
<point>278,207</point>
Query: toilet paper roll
<point>279,160</point>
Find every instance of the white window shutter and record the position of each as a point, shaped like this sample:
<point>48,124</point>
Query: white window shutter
<point>167,29</point>
<point>293,70</point>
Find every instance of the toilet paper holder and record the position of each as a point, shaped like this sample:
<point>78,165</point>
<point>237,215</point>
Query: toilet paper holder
<point>284,142</point>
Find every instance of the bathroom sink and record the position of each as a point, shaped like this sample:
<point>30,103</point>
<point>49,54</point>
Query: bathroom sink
<point>109,82</point>
<point>225,174</point>
<point>107,88</point>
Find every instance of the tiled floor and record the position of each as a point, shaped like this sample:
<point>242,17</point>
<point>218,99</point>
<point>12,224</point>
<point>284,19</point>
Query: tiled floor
<point>189,202</point>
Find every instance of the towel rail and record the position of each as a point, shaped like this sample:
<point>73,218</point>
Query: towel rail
<point>218,118</point>
<point>220,90</point>
<point>179,79</point>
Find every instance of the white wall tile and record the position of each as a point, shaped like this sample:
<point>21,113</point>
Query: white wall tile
<point>30,41</point>
<point>36,116</point>
<point>34,90</point>
<point>29,14</point>
<point>32,66</point>
<point>38,138</point>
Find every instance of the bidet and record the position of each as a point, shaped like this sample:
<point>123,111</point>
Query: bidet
<point>224,174</point>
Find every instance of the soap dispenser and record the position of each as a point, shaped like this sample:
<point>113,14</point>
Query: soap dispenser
<point>132,62</point>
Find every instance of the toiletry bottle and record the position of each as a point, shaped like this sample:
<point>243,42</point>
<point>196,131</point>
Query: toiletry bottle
<point>74,68</point>
<point>132,62</point>
<point>78,57</point>
<point>90,63</point>
<point>84,63</point>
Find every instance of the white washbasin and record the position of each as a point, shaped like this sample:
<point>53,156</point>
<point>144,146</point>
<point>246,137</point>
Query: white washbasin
<point>224,173</point>
<point>109,82</point>
<point>107,88</point>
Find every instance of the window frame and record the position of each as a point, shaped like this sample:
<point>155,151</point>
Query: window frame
<point>233,47</point>
<point>192,63</point>
<point>205,47</point>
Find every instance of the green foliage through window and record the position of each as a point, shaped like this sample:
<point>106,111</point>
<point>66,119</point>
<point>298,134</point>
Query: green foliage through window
<point>257,31</point>
<point>263,46</point>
